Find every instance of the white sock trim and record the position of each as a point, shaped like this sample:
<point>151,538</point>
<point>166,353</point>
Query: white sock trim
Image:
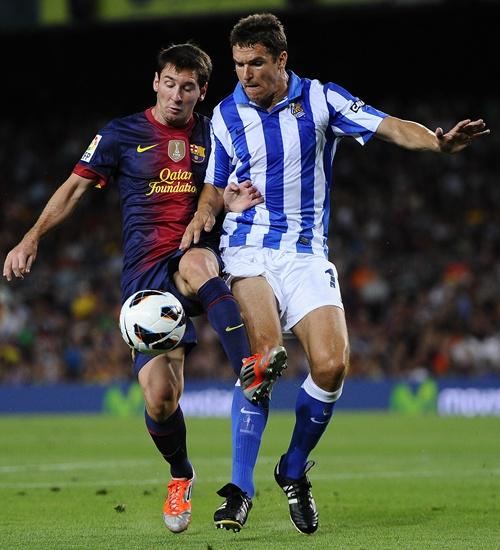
<point>315,391</point>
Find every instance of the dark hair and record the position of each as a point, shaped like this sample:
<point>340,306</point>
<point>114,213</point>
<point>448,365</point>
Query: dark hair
<point>260,28</point>
<point>186,56</point>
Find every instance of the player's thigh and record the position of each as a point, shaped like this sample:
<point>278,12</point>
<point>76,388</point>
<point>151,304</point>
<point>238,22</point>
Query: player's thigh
<point>259,310</point>
<point>162,378</point>
<point>324,338</point>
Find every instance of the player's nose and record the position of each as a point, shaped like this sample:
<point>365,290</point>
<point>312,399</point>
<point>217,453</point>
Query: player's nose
<point>177,95</point>
<point>247,73</point>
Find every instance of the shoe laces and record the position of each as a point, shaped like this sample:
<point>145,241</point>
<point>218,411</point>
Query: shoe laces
<point>299,488</point>
<point>176,489</point>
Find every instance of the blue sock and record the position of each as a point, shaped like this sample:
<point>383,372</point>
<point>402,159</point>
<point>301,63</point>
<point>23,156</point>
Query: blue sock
<point>170,439</point>
<point>312,416</point>
<point>224,315</point>
<point>248,423</point>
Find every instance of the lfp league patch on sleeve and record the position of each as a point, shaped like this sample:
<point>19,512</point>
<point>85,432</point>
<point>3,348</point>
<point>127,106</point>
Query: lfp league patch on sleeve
<point>89,153</point>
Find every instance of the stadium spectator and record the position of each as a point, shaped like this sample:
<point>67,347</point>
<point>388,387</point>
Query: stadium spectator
<point>281,133</point>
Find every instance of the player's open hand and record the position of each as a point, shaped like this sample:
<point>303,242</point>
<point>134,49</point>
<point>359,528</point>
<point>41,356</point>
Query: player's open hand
<point>239,197</point>
<point>202,221</point>
<point>461,135</point>
<point>20,259</point>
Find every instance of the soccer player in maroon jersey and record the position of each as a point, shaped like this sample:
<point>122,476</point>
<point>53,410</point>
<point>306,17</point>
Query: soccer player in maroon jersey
<point>157,159</point>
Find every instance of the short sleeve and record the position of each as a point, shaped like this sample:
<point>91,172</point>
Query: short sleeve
<point>101,158</point>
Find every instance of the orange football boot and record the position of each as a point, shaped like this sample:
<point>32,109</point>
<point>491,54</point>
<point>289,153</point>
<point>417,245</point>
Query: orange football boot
<point>259,373</point>
<point>177,507</point>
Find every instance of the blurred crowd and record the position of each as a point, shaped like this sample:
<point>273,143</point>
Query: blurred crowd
<point>415,238</point>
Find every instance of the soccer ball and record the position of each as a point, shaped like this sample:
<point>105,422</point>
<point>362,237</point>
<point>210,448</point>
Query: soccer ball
<point>152,321</point>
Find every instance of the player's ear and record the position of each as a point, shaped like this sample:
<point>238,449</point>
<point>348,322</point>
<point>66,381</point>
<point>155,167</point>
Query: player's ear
<point>203,92</point>
<point>282,59</point>
<point>156,82</point>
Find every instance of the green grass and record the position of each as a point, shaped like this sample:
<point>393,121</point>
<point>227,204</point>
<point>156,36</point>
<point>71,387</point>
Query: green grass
<point>381,482</point>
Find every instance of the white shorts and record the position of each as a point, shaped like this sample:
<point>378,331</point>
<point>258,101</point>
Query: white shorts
<point>301,282</point>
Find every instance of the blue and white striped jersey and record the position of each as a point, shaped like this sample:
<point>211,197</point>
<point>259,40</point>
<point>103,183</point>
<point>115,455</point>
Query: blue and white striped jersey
<point>287,154</point>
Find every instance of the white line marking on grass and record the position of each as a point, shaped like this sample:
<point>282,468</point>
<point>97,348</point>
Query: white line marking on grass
<point>220,479</point>
<point>90,465</point>
<point>99,483</point>
<point>70,466</point>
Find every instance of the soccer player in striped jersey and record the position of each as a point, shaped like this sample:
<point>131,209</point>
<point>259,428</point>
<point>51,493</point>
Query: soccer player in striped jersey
<point>280,132</point>
<point>157,159</point>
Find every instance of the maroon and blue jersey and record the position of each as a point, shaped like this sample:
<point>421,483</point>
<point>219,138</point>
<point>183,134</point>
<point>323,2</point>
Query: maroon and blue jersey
<point>159,171</point>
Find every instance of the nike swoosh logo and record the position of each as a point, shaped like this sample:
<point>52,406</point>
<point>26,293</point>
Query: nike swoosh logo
<point>240,130</point>
<point>319,421</point>
<point>141,149</point>
<point>230,329</point>
<point>245,411</point>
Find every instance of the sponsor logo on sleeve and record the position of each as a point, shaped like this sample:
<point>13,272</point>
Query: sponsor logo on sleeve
<point>356,106</point>
<point>89,153</point>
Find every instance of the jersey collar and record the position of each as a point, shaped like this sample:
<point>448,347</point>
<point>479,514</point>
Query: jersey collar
<point>165,127</point>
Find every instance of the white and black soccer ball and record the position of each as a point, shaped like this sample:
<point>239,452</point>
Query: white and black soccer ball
<point>152,321</point>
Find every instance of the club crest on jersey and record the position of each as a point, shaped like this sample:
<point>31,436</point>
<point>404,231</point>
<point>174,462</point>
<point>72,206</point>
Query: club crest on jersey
<point>197,153</point>
<point>176,149</point>
<point>297,110</point>
<point>89,153</point>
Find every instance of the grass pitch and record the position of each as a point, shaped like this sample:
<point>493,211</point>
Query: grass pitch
<point>381,482</point>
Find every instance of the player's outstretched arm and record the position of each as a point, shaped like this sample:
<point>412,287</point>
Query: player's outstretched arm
<point>210,204</point>
<point>414,136</point>
<point>20,259</point>
<point>239,197</point>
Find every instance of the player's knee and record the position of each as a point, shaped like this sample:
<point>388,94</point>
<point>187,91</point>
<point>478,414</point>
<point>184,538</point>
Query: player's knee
<point>197,267</point>
<point>335,368</point>
<point>329,372</point>
<point>161,404</point>
<point>160,411</point>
